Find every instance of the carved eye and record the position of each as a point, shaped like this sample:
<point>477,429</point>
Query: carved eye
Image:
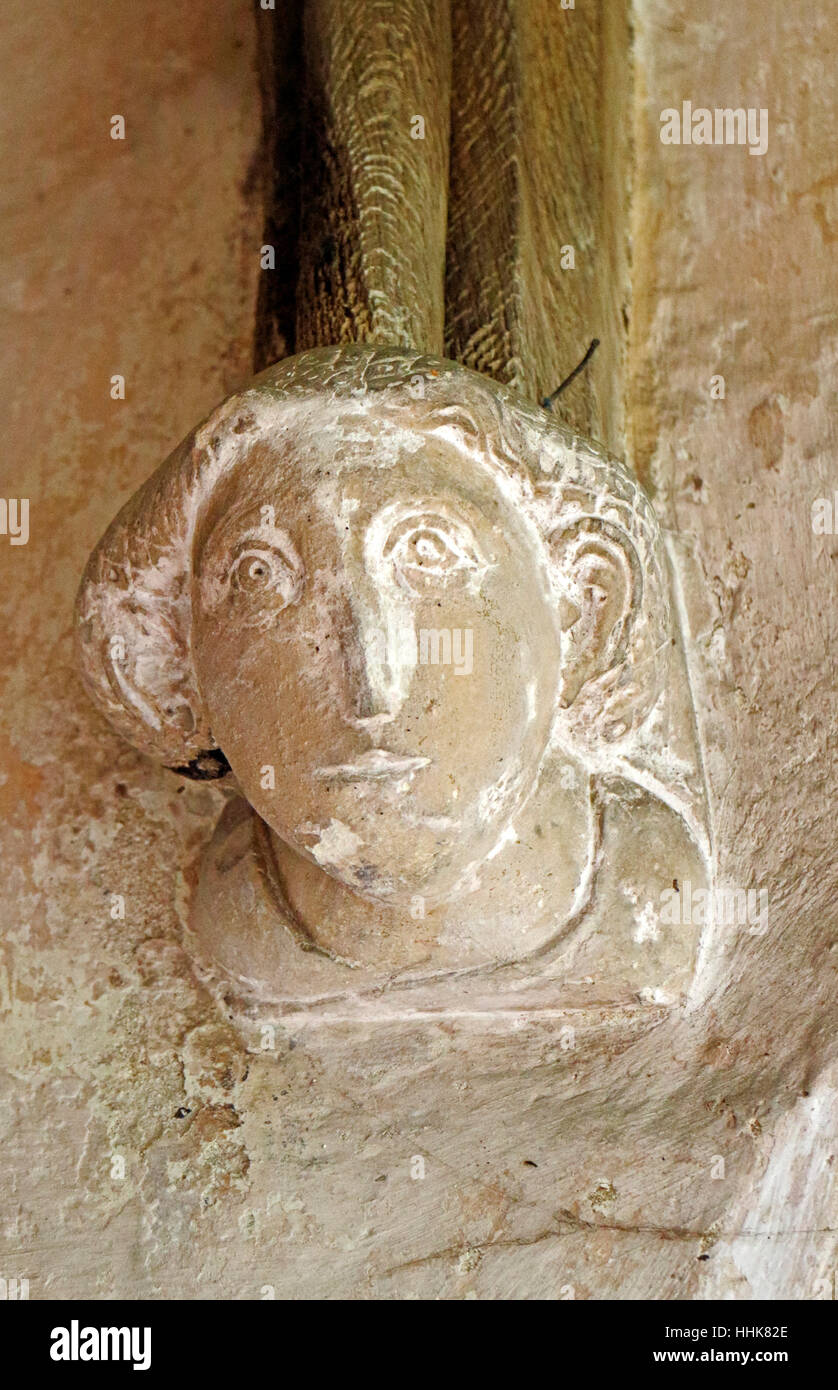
<point>264,572</point>
<point>431,550</point>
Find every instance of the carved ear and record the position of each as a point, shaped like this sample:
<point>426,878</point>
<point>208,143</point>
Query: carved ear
<point>603,589</point>
<point>134,606</point>
<point>615,626</point>
<point>133,621</point>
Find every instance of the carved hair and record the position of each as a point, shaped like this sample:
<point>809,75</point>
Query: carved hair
<point>134,608</point>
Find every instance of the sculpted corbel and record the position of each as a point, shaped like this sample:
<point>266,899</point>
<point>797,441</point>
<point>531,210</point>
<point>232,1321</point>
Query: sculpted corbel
<point>427,635</point>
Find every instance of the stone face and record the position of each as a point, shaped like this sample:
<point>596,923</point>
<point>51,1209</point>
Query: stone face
<point>327,581</point>
<point>165,1134</point>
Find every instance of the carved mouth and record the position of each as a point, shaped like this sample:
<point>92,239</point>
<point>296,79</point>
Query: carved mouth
<point>376,763</point>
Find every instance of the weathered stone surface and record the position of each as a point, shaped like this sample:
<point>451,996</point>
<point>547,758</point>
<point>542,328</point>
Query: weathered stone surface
<point>135,258</point>
<point>733,275</point>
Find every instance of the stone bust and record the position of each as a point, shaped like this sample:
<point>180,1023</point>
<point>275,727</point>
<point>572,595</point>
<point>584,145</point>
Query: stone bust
<point>428,636</point>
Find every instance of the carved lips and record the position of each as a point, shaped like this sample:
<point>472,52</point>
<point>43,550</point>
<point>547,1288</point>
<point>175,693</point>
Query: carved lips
<point>374,764</point>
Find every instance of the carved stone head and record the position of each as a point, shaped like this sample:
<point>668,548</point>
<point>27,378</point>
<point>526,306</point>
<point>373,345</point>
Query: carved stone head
<point>426,628</point>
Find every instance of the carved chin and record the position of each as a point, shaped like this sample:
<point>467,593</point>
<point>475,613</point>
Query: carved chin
<point>415,864</point>
<point>337,850</point>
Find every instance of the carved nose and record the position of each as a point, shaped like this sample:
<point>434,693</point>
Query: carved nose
<point>367,706</point>
<point>369,709</point>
